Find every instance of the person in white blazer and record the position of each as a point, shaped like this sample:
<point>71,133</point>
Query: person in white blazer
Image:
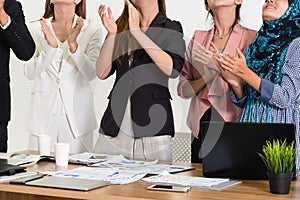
<point>63,71</point>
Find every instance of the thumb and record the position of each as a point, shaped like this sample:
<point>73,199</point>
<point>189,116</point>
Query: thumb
<point>239,53</point>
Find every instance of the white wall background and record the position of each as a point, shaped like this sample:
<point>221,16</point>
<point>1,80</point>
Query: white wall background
<point>191,14</point>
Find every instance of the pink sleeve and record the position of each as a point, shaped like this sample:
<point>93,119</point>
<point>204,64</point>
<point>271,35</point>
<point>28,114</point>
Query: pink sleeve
<point>186,73</point>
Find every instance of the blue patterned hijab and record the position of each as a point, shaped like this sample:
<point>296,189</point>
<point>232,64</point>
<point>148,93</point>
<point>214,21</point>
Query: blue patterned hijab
<point>266,56</point>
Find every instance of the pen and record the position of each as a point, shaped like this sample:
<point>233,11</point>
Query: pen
<point>113,174</point>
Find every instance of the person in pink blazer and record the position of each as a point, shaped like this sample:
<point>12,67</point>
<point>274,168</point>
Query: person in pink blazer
<point>200,79</point>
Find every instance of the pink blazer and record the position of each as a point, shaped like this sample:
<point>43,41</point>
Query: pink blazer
<point>216,93</point>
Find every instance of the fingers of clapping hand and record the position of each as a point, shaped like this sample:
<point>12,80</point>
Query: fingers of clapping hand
<point>203,55</point>
<point>128,3</point>
<point>45,27</point>
<point>107,19</point>
<point>101,11</point>
<point>201,51</point>
<point>105,12</point>
<point>131,8</point>
<point>48,33</point>
<point>134,14</point>
<point>201,48</point>
<point>109,11</point>
<point>213,48</point>
<point>79,23</point>
<point>1,4</point>
<point>226,62</point>
<point>240,53</point>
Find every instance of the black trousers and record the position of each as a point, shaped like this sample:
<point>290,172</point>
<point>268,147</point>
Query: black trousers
<point>210,115</point>
<point>3,137</point>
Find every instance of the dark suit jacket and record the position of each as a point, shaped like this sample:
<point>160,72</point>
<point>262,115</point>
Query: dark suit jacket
<point>146,85</point>
<point>17,38</point>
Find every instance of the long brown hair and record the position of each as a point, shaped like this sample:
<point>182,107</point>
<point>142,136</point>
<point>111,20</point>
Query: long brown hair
<point>80,9</point>
<point>126,38</point>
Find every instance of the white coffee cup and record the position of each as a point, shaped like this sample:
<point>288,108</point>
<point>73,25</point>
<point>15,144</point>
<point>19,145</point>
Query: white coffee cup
<point>61,153</point>
<point>44,142</point>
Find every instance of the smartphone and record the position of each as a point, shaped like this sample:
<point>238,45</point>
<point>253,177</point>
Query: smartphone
<point>170,188</point>
<point>26,179</point>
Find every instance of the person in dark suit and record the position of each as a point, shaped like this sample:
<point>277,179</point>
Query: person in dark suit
<point>13,35</point>
<point>144,48</point>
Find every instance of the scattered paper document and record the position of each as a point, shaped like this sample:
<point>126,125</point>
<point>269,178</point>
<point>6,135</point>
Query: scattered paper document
<point>114,176</point>
<point>88,158</point>
<point>151,167</point>
<point>156,169</point>
<point>123,163</point>
<point>198,182</point>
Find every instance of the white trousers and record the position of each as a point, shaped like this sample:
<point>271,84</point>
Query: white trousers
<point>146,148</point>
<point>60,131</point>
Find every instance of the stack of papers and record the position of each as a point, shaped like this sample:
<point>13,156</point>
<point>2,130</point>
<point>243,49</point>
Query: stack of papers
<point>118,170</point>
<point>198,182</point>
<point>152,167</point>
<point>114,176</point>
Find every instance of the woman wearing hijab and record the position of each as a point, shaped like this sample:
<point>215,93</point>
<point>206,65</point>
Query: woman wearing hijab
<point>265,82</point>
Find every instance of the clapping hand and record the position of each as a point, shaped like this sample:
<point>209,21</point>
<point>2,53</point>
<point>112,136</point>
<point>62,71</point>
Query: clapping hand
<point>108,20</point>
<point>2,5</point>
<point>225,63</point>
<point>72,39</point>
<point>207,57</point>
<point>49,37</point>
<point>134,17</point>
<point>235,64</point>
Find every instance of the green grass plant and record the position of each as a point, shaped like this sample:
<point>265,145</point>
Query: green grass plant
<point>278,156</point>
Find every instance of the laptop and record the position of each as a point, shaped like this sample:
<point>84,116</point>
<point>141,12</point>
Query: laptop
<point>68,183</point>
<point>229,149</point>
<point>9,169</point>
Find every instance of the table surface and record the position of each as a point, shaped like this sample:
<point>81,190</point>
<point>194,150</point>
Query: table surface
<point>249,189</point>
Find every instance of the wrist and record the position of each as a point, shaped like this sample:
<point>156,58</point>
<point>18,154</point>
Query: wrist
<point>136,32</point>
<point>237,86</point>
<point>111,35</point>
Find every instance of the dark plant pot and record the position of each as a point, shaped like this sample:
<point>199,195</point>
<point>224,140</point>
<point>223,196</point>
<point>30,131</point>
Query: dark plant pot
<point>280,183</point>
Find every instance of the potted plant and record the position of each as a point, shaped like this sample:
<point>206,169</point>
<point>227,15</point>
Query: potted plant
<point>279,158</point>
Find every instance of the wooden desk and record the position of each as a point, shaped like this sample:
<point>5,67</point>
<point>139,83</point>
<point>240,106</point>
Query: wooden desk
<point>249,189</point>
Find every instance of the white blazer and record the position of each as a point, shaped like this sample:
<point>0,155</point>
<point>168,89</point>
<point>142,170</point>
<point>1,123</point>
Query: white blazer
<point>74,80</point>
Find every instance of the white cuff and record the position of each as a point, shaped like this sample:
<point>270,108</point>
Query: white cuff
<point>7,24</point>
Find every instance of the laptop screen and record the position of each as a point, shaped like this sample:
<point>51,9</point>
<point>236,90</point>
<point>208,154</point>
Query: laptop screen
<point>230,149</point>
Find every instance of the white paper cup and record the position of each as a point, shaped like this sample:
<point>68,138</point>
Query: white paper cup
<point>61,153</point>
<point>44,142</point>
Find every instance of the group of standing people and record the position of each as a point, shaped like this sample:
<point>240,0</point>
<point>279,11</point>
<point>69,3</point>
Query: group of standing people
<point>230,72</point>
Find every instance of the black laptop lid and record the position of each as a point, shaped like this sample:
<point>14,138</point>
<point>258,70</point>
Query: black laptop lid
<point>230,149</point>
<point>7,169</point>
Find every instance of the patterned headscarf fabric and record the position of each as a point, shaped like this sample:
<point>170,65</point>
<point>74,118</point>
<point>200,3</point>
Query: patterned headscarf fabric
<point>266,55</point>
